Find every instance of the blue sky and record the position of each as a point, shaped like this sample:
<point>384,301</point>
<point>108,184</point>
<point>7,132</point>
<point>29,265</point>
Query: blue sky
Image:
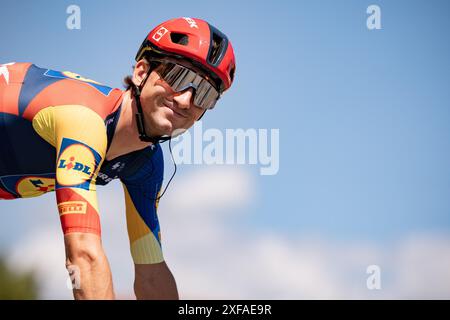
<point>363,115</point>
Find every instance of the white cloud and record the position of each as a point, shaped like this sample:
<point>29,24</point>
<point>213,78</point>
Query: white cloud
<point>212,260</point>
<point>218,189</point>
<point>422,267</point>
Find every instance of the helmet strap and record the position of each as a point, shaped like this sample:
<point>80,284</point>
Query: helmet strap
<point>202,115</point>
<point>136,90</point>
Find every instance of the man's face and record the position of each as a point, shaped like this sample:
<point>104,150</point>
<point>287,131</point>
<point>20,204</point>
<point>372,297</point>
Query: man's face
<point>164,110</point>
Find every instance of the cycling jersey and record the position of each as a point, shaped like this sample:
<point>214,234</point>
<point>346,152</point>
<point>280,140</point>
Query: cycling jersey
<point>55,130</point>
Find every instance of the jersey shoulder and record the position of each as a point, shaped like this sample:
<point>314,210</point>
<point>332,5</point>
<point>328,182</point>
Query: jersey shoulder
<point>37,88</point>
<point>147,167</point>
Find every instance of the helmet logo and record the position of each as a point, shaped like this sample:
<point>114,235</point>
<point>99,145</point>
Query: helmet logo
<point>191,22</point>
<point>159,34</point>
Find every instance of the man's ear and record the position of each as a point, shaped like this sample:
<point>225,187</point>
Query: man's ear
<point>140,72</point>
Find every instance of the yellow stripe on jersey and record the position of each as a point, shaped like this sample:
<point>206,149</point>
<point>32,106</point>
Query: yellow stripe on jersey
<point>44,124</point>
<point>71,121</point>
<point>146,250</point>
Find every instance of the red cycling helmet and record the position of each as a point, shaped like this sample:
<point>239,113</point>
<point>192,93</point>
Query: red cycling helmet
<point>197,41</point>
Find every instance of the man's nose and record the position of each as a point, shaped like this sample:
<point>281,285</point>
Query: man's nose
<point>184,98</point>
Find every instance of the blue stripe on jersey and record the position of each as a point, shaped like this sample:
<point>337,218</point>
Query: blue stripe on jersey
<point>22,150</point>
<point>33,83</point>
<point>144,185</point>
<point>70,75</point>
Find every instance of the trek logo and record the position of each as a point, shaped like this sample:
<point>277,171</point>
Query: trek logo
<point>159,34</point>
<point>76,165</point>
<point>4,71</point>
<point>72,165</point>
<point>191,22</point>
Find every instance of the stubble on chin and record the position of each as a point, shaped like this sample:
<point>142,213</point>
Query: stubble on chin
<point>163,122</point>
<point>157,123</point>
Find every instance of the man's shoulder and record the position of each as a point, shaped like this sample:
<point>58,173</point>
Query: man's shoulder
<point>152,160</point>
<point>139,167</point>
<point>43,87</point>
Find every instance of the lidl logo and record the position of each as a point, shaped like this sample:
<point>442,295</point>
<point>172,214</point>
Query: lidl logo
<point>34,186</point>
<point>77,163</point>
<point>71,164</point>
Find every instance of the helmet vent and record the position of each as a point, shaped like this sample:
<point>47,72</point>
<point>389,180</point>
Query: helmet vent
<point>217,49</point>
<point>179,38</point>
<point>232,73</point>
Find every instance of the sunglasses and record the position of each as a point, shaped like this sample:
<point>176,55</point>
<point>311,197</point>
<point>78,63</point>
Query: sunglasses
<point>180,78</point>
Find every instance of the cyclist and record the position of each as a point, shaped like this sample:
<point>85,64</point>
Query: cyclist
<point>64,133</point>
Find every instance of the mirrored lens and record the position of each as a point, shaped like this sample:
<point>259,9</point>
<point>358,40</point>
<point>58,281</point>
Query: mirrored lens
<point>180,78</point>
<point>206,96</point>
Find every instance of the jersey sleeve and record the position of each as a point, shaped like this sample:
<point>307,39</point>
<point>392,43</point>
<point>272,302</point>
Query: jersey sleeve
<point>142,190</point>
<point>79,137</point>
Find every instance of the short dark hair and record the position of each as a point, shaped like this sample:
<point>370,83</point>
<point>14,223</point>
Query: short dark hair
<point>128,82</point>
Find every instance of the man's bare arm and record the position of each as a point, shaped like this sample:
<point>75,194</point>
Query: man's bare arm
<point>154,282</point>
<point>88,265</point>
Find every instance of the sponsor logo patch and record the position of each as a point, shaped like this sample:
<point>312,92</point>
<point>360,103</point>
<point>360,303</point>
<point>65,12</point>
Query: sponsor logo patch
<point>159,34</point>
<point>34,186</point>
<point>4,71</point>
<point>191,22</point>
<point>72,207</point>
<point>76,164</point>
